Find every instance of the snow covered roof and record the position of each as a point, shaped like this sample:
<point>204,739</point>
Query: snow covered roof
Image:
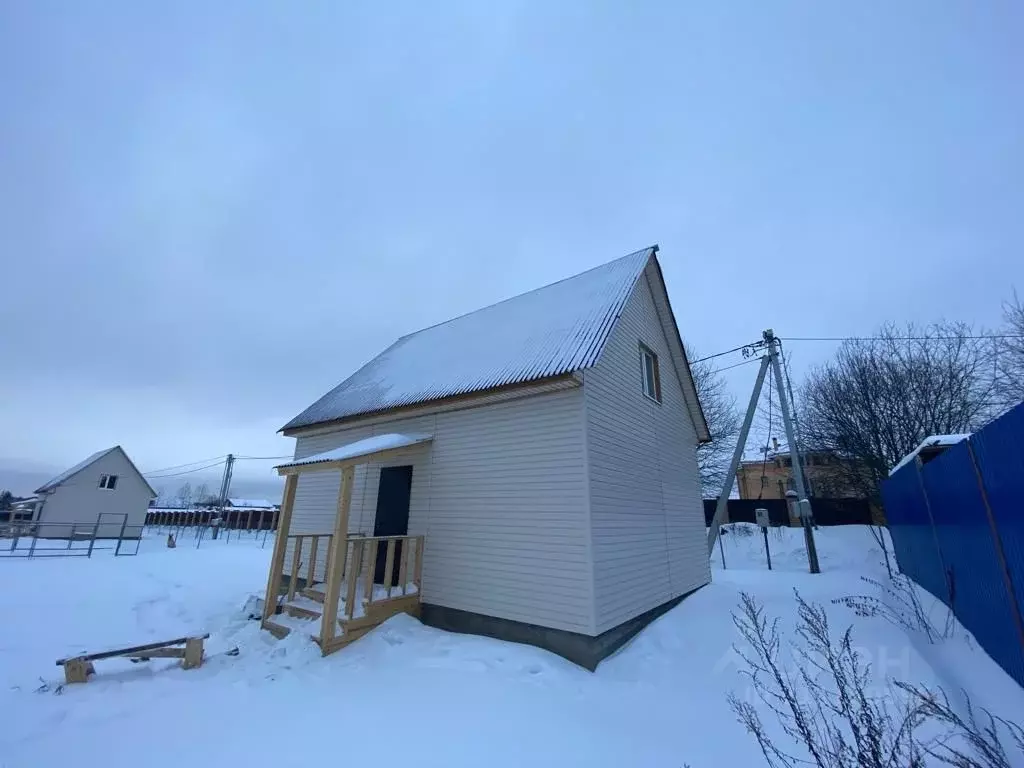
<point>935,441</point>
<point>363,447</point>
<point>251,503</point>
<point>553,330</point>
<point>68,473</point>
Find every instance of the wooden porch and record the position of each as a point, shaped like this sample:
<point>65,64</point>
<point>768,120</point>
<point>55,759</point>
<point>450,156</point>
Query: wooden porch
<point>366,579</point>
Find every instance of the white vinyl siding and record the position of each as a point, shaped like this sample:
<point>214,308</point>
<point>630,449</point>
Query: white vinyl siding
<point>500,494</point>
<point>80,499</point>
<point>647,517</point>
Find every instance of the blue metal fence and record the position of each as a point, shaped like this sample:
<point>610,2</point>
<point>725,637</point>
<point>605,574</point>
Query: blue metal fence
<point>957,525</point>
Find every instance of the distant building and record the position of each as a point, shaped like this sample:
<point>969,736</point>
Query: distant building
<point>104,492</point>
<point>771,478</point>
<point>930,448</point>
<point>253,504</point>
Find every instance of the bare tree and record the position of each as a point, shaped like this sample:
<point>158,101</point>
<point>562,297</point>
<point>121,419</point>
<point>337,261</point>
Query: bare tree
<point>723,418</point>
<point>1009,358</point>
<point>203,495</point>
<point>184,495</point>
<point>877,399</point>
<point>6,499</point>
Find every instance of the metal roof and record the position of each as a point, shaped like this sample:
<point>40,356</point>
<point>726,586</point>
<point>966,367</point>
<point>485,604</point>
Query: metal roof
<point>68,473</point>
<point>553,330</point>
<point>364,447</point>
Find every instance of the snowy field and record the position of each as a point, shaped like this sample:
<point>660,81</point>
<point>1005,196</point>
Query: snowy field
<point>407,694</point>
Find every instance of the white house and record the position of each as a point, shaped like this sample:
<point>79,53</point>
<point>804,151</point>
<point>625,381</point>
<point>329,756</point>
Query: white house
<point>103,493</point>
<point>542,450</point>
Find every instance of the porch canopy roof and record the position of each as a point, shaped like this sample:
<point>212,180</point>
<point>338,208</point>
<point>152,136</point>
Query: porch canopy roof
<point>359,452</point>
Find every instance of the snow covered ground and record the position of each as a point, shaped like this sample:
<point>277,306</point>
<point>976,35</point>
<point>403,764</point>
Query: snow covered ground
<point>408,694</point>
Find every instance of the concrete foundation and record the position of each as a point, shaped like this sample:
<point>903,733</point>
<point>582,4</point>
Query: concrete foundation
<point>584,650</point>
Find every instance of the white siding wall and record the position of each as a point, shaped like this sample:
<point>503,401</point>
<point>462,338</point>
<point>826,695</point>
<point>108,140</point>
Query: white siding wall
<point>500,495</point>
<point>79,500</point>
<point>647,517</point>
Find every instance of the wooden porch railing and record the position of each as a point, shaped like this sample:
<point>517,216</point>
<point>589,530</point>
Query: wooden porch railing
<point>306,548</point>
<point>400,576</point>
<point>363,600</point>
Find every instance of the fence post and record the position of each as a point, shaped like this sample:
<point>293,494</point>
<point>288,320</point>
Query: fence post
<point>95,530</point>
<point>120,536</point>
<point>997,540</point>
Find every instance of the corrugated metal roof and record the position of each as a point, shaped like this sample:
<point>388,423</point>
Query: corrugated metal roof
<point>553,330</point>
<point>363,447</point>
<point>74,470</point>
<point>68,473</point>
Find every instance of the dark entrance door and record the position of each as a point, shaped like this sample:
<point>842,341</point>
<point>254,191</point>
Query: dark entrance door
<point>392,514</point>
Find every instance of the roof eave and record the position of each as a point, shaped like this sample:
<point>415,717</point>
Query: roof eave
<point>295,431</point>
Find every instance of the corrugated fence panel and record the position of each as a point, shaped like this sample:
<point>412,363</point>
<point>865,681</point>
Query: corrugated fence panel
<point>1000,453</point>
<point>984,558</point>
<point>910,528</point>
<point>969,552</point>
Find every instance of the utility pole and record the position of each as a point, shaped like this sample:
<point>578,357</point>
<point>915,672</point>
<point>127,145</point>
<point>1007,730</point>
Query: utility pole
<point>804,504</point>
<point>225,483</point>
<point>770,344</point>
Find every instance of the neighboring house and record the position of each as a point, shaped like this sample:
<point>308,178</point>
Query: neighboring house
<point>253,504</point>
<point>545,449</point>
<point>930,448</point>
<point>771,478</point>
<point>105,489</point>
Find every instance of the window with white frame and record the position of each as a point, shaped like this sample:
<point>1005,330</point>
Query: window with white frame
<point>109,482</point>
<point>651,375</point>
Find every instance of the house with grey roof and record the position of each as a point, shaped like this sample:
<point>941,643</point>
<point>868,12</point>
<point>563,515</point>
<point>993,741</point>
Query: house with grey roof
<point>103,494</point>
<point>536,459</point>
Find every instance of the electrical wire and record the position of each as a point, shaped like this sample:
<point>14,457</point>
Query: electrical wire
<point>186,472</point>
<point>261,458</point>
<point>865,338</point>
<point>737,365</point>
<point>182,466</point>
<point>904,338</point>
<point>726,352</point>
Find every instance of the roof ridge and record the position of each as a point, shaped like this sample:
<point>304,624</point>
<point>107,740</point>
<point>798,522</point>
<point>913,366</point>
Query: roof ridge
<point>547,331</point>
<point>652,248</point>
<point>74,469</point>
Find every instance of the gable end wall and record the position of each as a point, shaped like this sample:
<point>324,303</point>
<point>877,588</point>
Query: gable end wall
<point>647,516</point>
<point>79,500</point>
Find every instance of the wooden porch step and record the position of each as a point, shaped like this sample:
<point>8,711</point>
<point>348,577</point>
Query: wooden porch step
<point>316,592</point>
<point>277,630</point>
<point>380,611</point>
<point>301,611</point>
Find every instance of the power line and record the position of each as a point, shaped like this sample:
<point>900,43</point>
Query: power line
<point>263,458</point>
<point>737,365</point>
<point>186,472</point>
<point>719,354</point>
<point>182,466</point>
<point>963,337</point>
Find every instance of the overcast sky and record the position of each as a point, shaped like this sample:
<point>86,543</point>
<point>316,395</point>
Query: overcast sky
<point>211,213</point>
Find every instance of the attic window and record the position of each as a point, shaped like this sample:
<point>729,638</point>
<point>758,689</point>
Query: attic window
<point>651,374</point>
<point>109,482</point>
